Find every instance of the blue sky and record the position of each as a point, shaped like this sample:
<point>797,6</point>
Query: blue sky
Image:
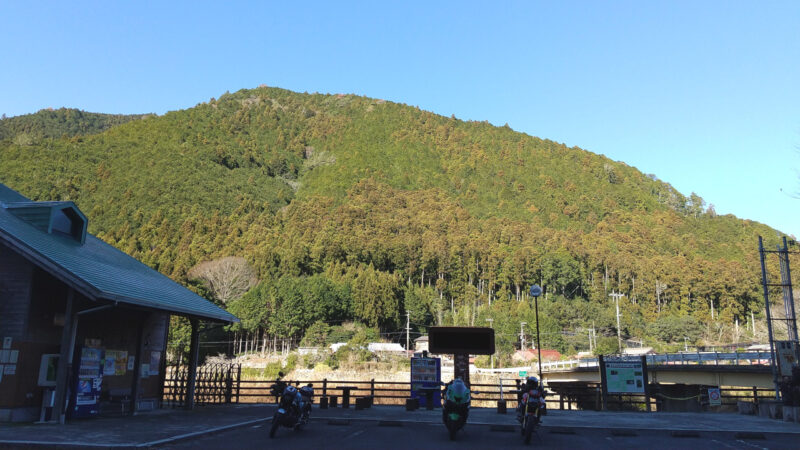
<point>705,95</point>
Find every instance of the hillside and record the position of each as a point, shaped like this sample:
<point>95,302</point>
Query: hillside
<point>376,208</point>
<point>50,123</point>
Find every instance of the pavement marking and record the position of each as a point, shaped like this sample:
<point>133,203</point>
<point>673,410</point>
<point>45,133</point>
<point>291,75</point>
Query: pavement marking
<point>352,435</point>
<point>751,445</point>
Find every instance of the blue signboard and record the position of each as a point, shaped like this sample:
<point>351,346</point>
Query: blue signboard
<point>426,376</point>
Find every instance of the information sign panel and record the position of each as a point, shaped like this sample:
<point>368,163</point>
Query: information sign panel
<point>624,377</point>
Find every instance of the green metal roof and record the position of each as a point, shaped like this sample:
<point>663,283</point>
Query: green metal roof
<point>97,269</point>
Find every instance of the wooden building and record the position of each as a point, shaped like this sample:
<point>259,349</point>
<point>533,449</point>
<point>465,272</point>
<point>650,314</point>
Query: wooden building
<point>83,325</point>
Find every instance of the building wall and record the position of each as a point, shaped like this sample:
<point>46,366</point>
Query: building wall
<point>15,293</point>
<point>31,301</point>
<point>32,306</point>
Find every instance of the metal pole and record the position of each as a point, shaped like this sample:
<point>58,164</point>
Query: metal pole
<point>790,307</point>
<point>769,319</point>
<point>619,330</point>
<point>538,343</point>
<point>491,357</point>
<point>408,328</point>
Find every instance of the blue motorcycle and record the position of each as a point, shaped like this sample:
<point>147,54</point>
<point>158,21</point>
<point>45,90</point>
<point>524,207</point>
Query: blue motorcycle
<point>294,408</point>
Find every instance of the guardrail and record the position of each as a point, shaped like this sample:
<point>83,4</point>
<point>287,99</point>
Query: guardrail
<point>715,358</point>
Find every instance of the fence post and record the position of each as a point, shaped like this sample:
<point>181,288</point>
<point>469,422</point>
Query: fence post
<point>238,381</point>
<point>755,398</point>
<point>324,387</point>
<point>229,384</point>
<point>372,388</point>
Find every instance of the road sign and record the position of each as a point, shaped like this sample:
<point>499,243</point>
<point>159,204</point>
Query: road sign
<point>714,397</point>
<point>536,290</point>
<point>523,373</point>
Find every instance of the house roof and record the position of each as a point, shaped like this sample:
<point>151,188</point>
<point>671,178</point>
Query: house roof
<point>93,267</point>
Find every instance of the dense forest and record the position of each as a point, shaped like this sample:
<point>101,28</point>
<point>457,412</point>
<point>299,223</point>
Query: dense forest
<point>298,212</point>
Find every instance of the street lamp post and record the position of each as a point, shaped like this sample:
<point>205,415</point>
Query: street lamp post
<point>536,291</point>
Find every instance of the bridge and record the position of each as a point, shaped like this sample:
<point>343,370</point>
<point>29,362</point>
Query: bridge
<point>745,369</point>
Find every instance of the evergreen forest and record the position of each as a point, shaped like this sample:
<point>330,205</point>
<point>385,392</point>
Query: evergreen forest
<point>302,212</point>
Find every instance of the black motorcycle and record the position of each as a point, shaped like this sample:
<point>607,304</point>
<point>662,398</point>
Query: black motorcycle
<point>277,387</point>
<point>294,408</point>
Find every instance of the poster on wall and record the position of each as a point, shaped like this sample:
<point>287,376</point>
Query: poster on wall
<point>116,362</point>
<point>108,363</point>
<point>155,362</point>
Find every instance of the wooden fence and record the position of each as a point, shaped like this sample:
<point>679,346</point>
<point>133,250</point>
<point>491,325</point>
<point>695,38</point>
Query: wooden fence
<point>221,383</point>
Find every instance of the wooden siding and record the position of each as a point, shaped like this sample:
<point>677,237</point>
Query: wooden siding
<point>16,274</point>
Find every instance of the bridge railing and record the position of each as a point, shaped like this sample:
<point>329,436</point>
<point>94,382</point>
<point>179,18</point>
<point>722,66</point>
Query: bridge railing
<point>716,358</point>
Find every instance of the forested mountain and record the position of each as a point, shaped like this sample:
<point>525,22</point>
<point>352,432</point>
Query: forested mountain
<point>56,123</point>
<point>352,208</point>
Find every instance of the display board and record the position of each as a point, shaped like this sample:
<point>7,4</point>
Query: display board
<point>624,376</point>
<point>426,374</point>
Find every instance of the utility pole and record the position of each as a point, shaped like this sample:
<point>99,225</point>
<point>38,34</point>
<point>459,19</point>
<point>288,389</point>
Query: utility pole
<point>619,331</point>
<point>408,329</point>
<point>522,335</point>
<point>491,357</point>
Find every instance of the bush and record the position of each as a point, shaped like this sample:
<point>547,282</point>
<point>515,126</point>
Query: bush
<point>291,362</point>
